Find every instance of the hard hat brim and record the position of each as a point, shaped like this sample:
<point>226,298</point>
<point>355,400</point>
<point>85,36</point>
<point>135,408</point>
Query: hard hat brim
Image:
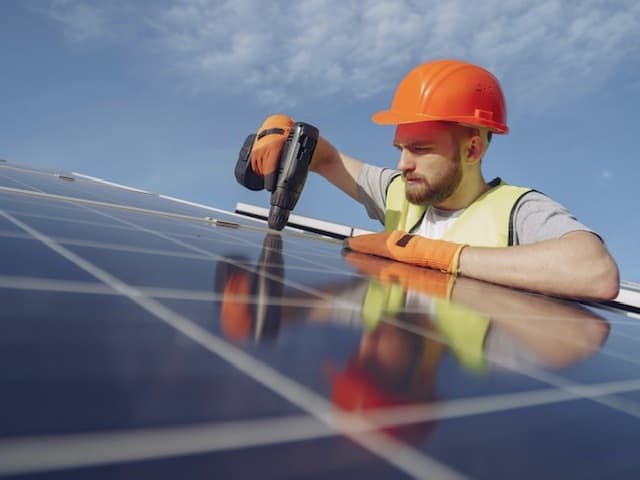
<point>391,117</point>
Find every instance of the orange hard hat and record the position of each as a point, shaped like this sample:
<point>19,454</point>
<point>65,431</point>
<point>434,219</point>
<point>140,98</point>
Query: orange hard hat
<point>449,91</point>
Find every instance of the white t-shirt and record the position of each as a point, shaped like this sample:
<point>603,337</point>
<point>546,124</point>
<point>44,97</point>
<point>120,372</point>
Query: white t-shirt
<point>436,222</point>
<point>536,217</point>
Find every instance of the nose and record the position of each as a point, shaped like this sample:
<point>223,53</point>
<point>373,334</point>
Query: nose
<point>406,163</point>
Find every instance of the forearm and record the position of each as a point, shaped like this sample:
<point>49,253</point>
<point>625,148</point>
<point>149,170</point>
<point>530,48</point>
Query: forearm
<point>576,265</point>
<point>337,167</point>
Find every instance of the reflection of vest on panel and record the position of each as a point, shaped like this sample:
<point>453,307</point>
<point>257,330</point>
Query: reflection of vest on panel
<point>486,223</point>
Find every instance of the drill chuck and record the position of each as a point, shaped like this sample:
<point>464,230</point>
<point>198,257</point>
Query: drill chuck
<point>278,217</point>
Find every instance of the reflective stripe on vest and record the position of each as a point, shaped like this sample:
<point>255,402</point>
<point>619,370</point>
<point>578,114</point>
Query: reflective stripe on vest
<point>486,223</point>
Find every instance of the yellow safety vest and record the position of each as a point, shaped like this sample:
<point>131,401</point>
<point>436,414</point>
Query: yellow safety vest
<point>487,222</point>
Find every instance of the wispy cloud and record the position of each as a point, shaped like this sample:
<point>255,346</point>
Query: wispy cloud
<point>280,49</point>
<point>80,21</point>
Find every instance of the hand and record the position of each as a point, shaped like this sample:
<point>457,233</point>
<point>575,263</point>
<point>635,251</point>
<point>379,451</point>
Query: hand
<point>403,247</point>
<point>267,147</point>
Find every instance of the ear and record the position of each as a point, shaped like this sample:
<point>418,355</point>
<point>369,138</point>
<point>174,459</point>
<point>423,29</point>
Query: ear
<point>474,148</point>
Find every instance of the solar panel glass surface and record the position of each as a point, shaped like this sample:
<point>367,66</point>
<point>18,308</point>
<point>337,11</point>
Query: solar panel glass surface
<point>141,340</point>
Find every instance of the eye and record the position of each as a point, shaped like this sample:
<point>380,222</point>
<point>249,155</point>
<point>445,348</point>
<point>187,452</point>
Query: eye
<point>421,148</point>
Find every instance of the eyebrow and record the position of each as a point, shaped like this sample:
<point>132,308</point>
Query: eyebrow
<point>413,144</point>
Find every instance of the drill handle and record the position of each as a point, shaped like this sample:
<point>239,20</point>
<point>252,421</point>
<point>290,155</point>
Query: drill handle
<point>292,172</point>
<point>243,171</point>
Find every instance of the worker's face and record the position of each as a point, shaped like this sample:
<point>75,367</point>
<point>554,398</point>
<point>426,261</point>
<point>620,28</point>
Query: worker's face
<point>429,160</point>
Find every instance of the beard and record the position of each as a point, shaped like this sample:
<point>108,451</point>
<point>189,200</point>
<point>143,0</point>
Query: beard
<point>421,191</point>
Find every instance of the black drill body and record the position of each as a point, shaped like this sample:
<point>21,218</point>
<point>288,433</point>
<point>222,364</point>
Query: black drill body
<point>288,180</point>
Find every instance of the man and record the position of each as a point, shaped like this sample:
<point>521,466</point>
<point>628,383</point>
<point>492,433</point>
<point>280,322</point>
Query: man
<point>438,210</point>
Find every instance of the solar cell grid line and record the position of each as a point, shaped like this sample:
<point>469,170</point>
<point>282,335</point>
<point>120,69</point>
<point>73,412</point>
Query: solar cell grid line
<point>161,293</point>
<point>402,456</point>
<point>151,251</point>
<point>214,296</point>
<point>165,253</point>
<point>23,204</point>
<point>91,203</point>
<point>56,285</point>
<point>630,407</point>
<point>41,171</point>
<point>120,247</point>
<point>305,259</point>
<point>623,405</point>
<point>532,326</point>
<point>116,225</point>
<point>547,378</point>
<point>634,360</point>
<point>157,292</point>
<point>216,257</point>
<point>68,219</point>
<point>9,182</point>
<point>92,449</point>
<point>80,200</point>
<point>86,449</point>
<point>122,196</point>
<point>96,203</point>
<point>326,241</point>
<point>102,182</point>
<point>133,225</point>
<point>234,240</point>
<point>138,228</point>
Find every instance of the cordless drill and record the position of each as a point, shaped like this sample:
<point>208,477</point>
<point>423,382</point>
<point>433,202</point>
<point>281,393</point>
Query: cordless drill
<point>290,175</point>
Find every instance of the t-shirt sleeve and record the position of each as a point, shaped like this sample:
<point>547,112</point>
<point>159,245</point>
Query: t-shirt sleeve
<point>538,218</point>
<point>372,189</point>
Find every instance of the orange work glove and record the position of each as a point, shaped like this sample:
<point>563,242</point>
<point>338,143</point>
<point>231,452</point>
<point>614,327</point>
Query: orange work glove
<point>267,147</point>
<point>403,247</point>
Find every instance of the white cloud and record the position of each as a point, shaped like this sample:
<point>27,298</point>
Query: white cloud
<point>277,50</point>
<point>80,21</point>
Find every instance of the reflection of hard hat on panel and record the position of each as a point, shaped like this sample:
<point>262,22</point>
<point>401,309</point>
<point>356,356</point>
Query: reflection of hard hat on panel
<point>450,91</point>
<point>361,390</point>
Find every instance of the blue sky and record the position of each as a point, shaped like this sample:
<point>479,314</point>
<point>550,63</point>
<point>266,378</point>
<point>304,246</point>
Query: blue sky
<point>160,95</point>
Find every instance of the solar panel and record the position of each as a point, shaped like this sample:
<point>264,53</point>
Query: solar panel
<point>143,336</point>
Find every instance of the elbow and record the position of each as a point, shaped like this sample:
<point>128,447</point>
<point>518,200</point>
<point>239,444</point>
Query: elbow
<point>605,280</point>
